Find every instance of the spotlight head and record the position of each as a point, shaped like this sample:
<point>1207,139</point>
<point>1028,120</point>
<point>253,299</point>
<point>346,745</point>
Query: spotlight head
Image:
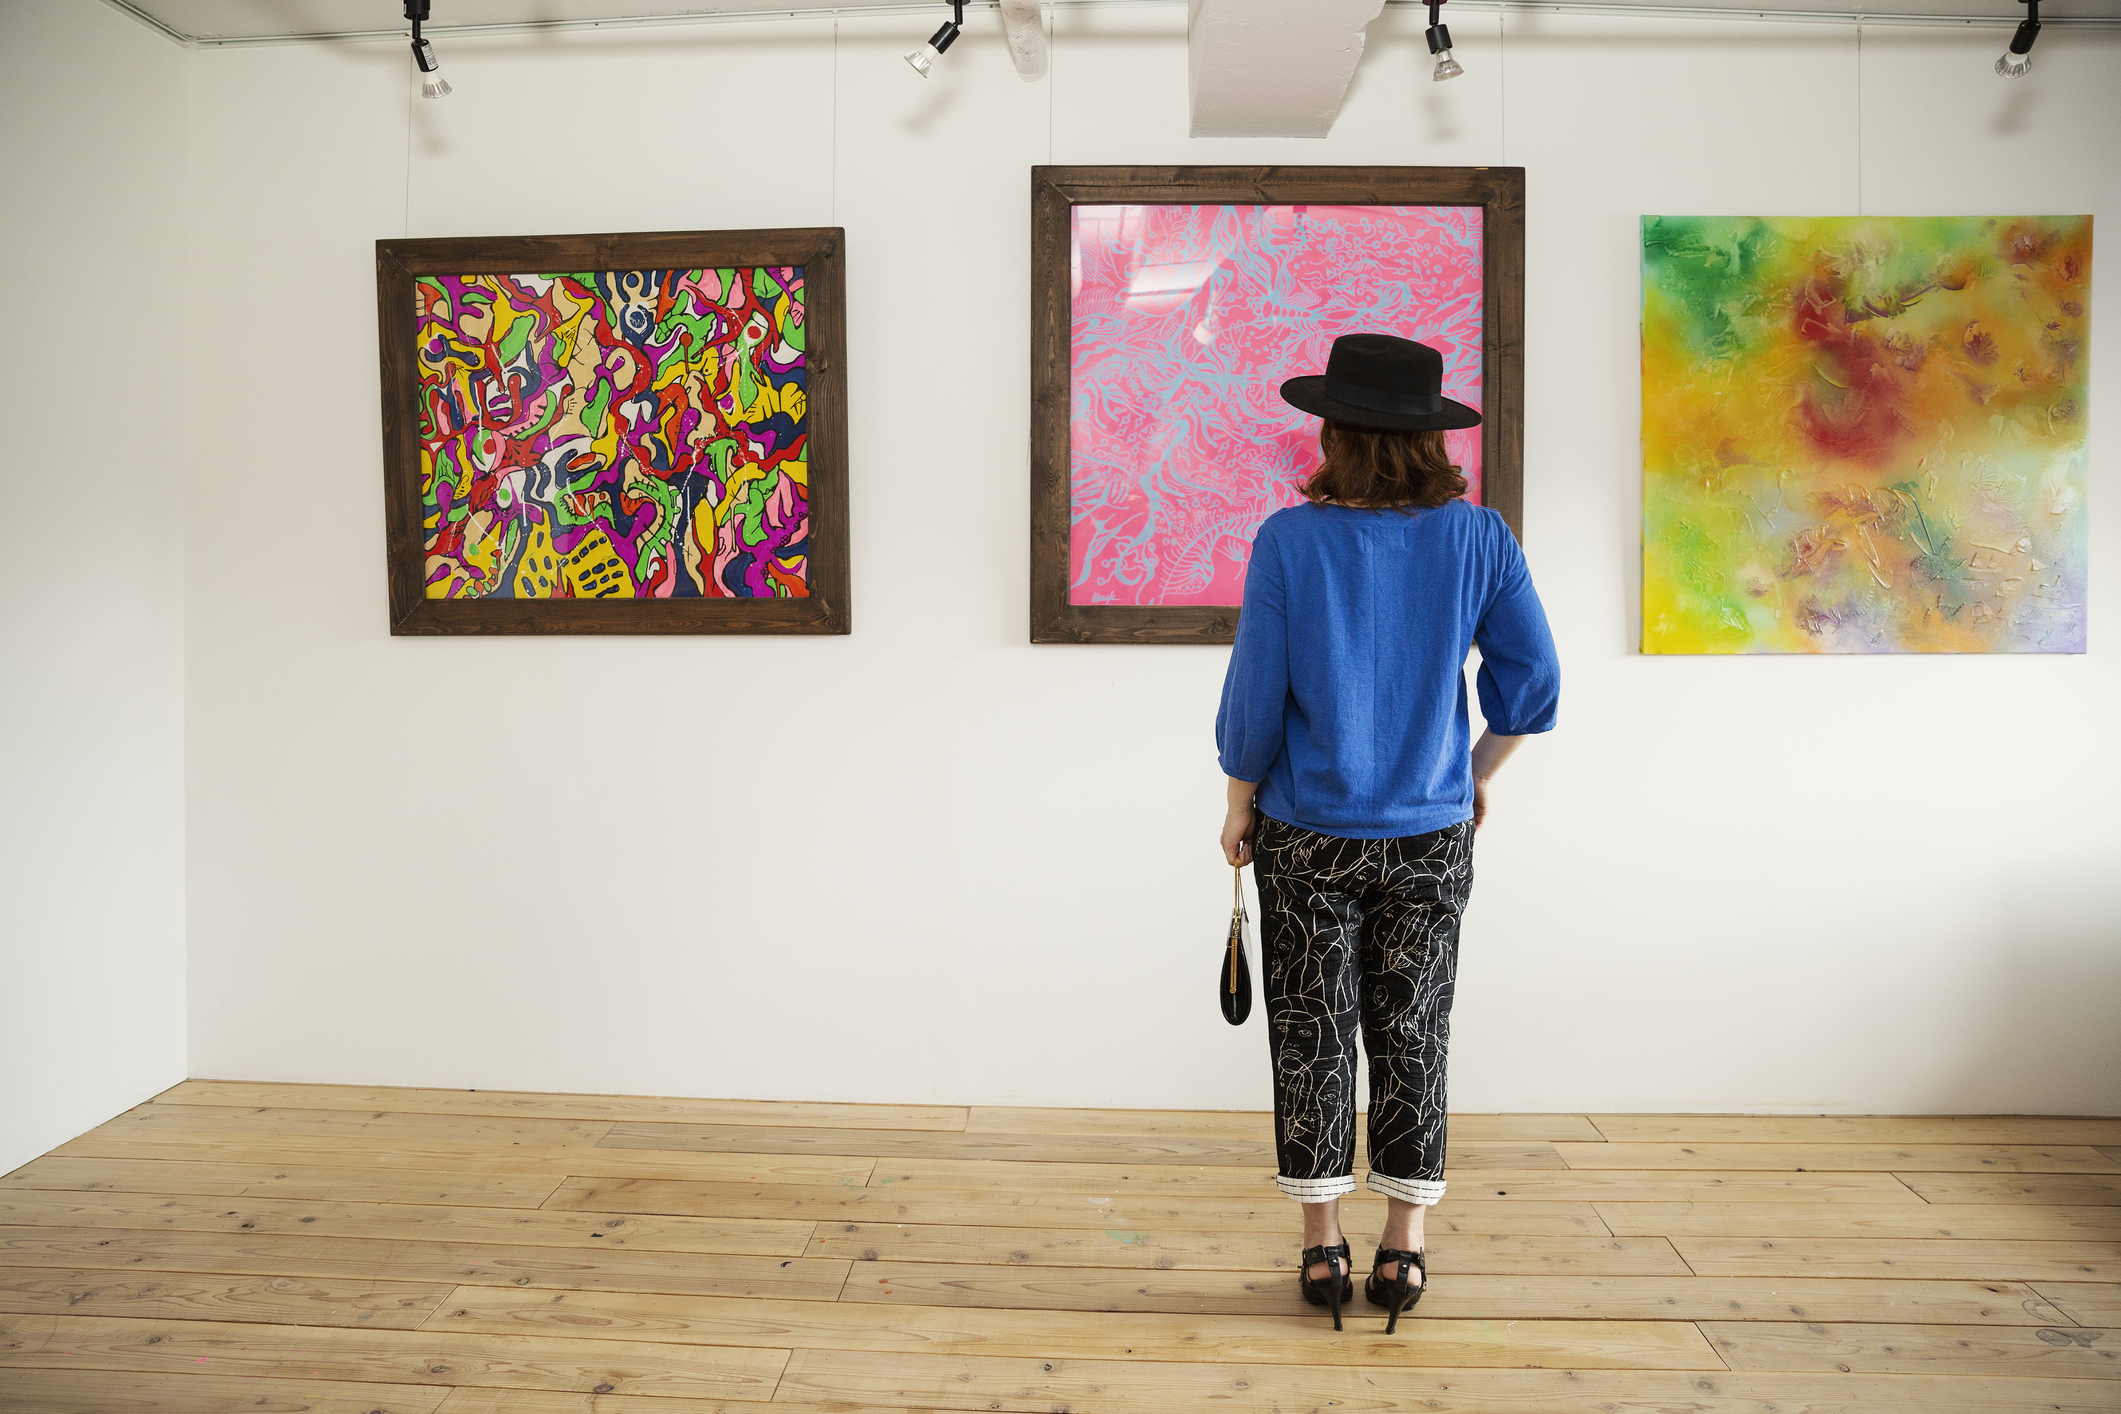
<point>923,59</point>
<point>2017,60</point>
<point>432,84</point>
<point>1439,37</point>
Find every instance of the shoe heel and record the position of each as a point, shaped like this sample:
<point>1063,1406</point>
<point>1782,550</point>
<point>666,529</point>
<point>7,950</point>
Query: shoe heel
<point>1398,1305</point>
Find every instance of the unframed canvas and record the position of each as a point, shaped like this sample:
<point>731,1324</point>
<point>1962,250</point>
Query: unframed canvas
<point>1864,434</point>
<point>615,434</point>
<point>1168,306</point>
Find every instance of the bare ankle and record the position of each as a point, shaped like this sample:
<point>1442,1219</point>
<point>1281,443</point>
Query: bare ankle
<point>1322,1224</point>
<point>1404,1227</point>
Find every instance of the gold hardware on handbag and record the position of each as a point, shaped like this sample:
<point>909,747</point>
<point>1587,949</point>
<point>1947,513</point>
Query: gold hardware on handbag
<point>1233,980</point>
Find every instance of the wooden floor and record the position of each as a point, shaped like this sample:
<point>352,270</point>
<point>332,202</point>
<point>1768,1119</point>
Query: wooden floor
<point>341,1250</point>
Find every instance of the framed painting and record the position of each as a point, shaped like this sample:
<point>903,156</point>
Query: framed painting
<point>615,433</point>
<point>1865,434</point>
<point>1168,304</point>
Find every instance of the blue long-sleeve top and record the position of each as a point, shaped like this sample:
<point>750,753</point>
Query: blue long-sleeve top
<point>1346,691</point>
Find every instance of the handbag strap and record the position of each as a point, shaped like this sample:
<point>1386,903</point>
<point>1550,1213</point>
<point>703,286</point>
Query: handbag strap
<point>1237,913</point>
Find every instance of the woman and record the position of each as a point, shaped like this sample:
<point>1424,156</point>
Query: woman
<point>1343,731</point>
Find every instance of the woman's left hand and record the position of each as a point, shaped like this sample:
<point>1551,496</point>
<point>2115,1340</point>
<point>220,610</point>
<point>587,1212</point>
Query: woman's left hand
<point>1237,834</point>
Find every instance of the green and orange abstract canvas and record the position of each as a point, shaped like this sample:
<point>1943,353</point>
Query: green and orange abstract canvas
<point>1864,434</point>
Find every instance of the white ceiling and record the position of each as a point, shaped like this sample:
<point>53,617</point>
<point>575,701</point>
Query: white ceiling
<point>254,21</point>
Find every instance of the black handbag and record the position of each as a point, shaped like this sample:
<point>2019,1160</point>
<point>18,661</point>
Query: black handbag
<point>1233,979</point>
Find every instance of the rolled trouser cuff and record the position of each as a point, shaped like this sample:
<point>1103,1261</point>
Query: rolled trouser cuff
<point>1425,1191</point>
<point>1316,1190</point>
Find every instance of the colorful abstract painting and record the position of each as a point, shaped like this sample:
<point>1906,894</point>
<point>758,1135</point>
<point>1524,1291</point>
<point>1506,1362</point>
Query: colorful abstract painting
<point>614,434</point>
<point>1864,434</point>
<point>1184,321</point>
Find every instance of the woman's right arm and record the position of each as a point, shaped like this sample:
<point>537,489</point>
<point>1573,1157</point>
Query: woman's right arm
<point>1520,673</point>
<point>1488,755</point>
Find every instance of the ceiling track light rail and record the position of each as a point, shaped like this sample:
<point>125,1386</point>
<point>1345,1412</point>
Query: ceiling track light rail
<point>432,84</point>
<point>1596,9</point>
<point>923,59</point>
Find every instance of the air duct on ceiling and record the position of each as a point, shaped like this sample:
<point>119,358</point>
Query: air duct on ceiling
<point>1026,29</point>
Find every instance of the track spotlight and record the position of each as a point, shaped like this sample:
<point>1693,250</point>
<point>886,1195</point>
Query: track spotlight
<point>432,84</point>
<point>1439,37</point>
<point>923,59</point>
<point>2018,59</point>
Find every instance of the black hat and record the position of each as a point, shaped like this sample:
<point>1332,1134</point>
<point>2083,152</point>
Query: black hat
<point>1380,381</point>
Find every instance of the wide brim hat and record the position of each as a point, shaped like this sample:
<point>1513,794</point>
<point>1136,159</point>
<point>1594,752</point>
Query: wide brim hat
<point>1382,382</point>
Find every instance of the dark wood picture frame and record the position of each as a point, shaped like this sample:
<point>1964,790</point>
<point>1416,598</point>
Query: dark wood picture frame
<point>819,250</point>
<point>1499,191</point>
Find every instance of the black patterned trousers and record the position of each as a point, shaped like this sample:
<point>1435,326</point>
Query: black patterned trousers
<point>1360,932</point>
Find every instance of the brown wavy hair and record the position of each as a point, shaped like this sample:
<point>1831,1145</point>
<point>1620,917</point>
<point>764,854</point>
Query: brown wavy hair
<point>1364,467</point>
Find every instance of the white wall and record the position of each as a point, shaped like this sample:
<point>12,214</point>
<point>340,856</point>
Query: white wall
<point>92,640</point>
<point>932,862</point>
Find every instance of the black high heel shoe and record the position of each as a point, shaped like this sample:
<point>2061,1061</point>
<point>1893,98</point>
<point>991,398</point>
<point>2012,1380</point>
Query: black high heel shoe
<point>1400,1292</point>
<point>1337,1286</point>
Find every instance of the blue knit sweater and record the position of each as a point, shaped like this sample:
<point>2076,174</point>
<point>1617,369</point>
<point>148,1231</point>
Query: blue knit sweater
<point>1346,691</point>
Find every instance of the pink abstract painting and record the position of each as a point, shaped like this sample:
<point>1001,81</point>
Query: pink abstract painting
<point>1183,322</point>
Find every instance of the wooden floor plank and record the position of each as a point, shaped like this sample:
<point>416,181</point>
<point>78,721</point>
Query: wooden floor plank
<point>236,1122</point>
<point>126,1392</point>
<point>1073,1247</point>
<point>527,1161</point>
<point>1909,1259</point>
<point>1457,1295</point>
<point>445,1263</point>
<point>23,1207</point>
<point>1075,1335</point>
<point>1556,1185</point>
<point>2086,1303</point>
<point>2073,1354</point>
<point>536,1105</point>
<point>193,1296</point>
<point>387,1357</point>
<point>886,1144</point>
<point>2050,1189</point>
<point>1257,1125</point>
<point>516,1401</point>
<point>1019,1148</point>
<point>1856,1129</point>
<point>1268,1211</point>
<point>1853,1220</point>
<point>1113,1178</point>
<point>1042,1386</point>
<point>1023,1288</point>
<point>1597,1185</point>
<point>236,1180</point>
<point>1867,1158</point>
